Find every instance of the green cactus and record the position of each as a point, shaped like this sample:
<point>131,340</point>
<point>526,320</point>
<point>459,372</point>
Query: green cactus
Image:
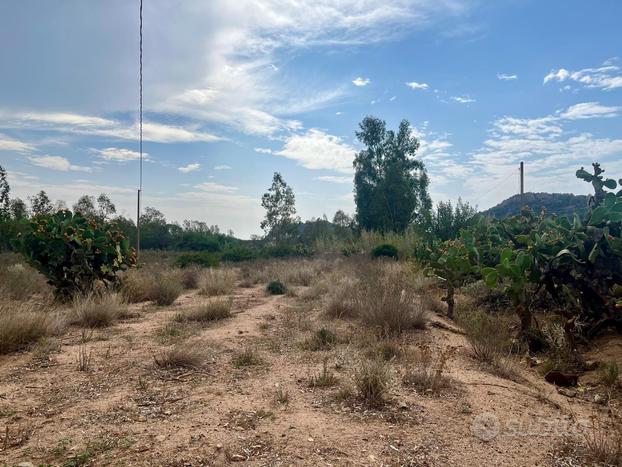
<point>598,182</point>
<point>73,252</point>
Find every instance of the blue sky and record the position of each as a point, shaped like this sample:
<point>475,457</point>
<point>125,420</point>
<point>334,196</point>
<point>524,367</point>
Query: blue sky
<point>237,90</point>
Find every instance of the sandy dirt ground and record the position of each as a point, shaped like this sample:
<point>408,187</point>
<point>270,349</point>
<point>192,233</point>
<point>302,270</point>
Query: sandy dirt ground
<point>124,410</point>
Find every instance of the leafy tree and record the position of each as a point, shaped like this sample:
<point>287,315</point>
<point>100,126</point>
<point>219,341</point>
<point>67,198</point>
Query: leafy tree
<point>40,204</point>
<point>5,200</point>
<point>447,221</point>
<point>343,220</point>
<point>280,205</point>
<point>154,231</point>
<point>391,186</point>
<point>18,209</point>
<point>87,207</point>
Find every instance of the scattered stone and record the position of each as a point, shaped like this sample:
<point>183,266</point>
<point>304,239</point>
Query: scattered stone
<point>567,392</point>
<point>25,464</point>
<point>599,399</point>
<point>218,447</point>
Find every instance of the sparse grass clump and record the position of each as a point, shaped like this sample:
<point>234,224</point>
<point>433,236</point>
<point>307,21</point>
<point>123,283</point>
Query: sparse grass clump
<point>388,303</point>
<point>216,282</point>
<point>341,300</point>
<point>609,374</point>
<point>276,288</point>
<point>165,287</point>
<point>325,379</point>
<point>20,282</point>
<point>213,310</point>
<point>245,358</point>
<point>21,325</point>
<point>427,372</point>
<point>323,339</point>
<point>179,356</point>
<point>372,379</point>
<point>97,311</point>
<point>190,277</point>
<point>135,285</point>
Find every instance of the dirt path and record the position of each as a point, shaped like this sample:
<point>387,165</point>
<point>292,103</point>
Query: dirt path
<point>124,411</point>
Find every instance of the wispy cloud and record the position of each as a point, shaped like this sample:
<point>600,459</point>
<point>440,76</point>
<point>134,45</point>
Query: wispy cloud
<point>360,81</point>
<point>263,150</point>
<point>463,99</point>
<point>119,154</point>
<point>335,179</point>
<point>10,144</point>
<point>61,164</point>
<point>606,77</point>
<point>589,110</point>
<point>506,77</point>
<point>222,167</point>
<point>216,188</point>
<point>189,168</point>
<point>415,85</point>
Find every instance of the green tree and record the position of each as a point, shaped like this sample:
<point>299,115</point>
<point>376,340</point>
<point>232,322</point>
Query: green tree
<point>280,205</point>
<point>40,204</point>
<point>447,220</point>
<point>101,209</point>
<point>390,185</point>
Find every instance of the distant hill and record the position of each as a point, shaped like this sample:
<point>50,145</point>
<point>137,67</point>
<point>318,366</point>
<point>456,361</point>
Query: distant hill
<point>562,204</point>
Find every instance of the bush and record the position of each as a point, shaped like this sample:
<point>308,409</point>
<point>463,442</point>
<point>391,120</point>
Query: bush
<point>237,254</point>
<point>135,284</point>
<point>164,288</point>
<point>217,282</point>
<point>427,373</point>
<point>385,250</point>
<point>74,252</point>
<point>204,259</point>
<point>213,310</point>
<point>21,325</point>
<point>190,277</point>
<point>19,282</point>
<point>323,339</point>
<point>276,288</point>
<point>285,251</point>
<point>372,381</point>
<point>92,311</point>
<point>180,356</point>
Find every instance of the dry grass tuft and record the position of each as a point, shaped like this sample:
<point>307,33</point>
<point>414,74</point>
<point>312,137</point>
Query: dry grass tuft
<point>210,311</point>
<point>21,325</point>
<point>21,282</point>
<point>325,379</point>
<point>245,358</point>
<point>388,303</point>
<point>216,281</point>
<point>427,372</point>
<point>341,300</point>
<point>603,442</point>
<point>323,339</point>
<point>93,311</point>
<point>165,287</point>
<point>190,277</point>
<point>179,356</point>
<point>372,379</point>
<point>135,285</point>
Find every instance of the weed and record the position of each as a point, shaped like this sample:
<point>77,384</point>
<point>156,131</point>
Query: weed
<point>281,397</point>
<point>21,325</point>
<point>372,379</point>
<point>245,358</point>
<point>322,339</point>
<point>164,288</point>
<point>609,374</point>
<point>190,277</point>
<point>276,288</point>
<point>97,311</point>
<point>427,373</point>
<point>84,357</point>
<point>213,310</point>
<point>179,356</point>
<point>216,282</point>
<point>324,379</point>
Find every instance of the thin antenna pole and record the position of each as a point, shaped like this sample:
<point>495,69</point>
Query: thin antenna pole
<point>140,134</point>
<point>522,183</point>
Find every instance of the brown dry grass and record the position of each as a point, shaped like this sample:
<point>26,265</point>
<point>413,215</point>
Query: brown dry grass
<point>216,281</point>
<point>22,324</point>
<point>210,311</point>
<point>97,311</point>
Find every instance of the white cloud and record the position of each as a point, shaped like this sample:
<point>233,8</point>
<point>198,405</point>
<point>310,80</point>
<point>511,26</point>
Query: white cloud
<point>415,85</point>
<point>263,150</point>
<point>189,168</point>
<point>119,154</point>
<point>10,144</point>
<point>589,110</point>
<point>335,179</point>
<point>463,99</point>
<point>506,77</point>
<point>222,167</point>
<point>606,77</point>
<point>96,126</point>
<point>360,81</point>
<point>57,163</point>
<point>318,150</point>
<point>216,188</point>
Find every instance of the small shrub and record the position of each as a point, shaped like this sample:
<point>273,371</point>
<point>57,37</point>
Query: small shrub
<point>84,358</point>
<point>135,285</point>
<point>164,288</point>
<point>281,397</point>
<point>372,379</point>
<point>179,356</point>
<point>486,334</point>
<point>203,259</point>
<point>190,277</point>
<point>245,358</point>
<point>427,373</point>
<point>609,374</point>
<point>217,282</point>
<point>341,301</point>
<point>237,254</point>
<point>604,443</point>
<point>322,339</point>
<point>385,250</point>
<point>276,288</point>
<point>386,350</point>
<point>213,310</point>
<point>324,379</point>
<point>93,311</point>
<point>21,325</point>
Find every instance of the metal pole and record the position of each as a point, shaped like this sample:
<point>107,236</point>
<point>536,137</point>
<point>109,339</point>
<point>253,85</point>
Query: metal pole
<point>522,183</point>
<point>140,133</point>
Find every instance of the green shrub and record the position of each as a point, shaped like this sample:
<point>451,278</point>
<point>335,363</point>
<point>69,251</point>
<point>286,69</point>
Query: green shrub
<point>284,251</point>
<point>276,288</point>
<point>385,250</point>
<point>203,258</point>
<point>237,254</point>
<point>74,252</point>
